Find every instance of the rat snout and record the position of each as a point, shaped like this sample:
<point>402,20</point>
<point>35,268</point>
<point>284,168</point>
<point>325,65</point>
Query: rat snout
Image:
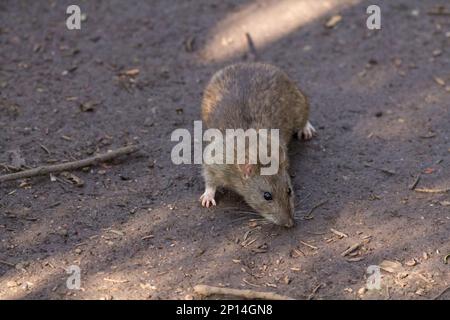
<point>287,222</point>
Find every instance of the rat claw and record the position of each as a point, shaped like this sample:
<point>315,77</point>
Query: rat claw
<point>308,131</point>
<point>207,199</point>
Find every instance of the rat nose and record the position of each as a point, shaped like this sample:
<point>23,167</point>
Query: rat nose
<point>290,223</point>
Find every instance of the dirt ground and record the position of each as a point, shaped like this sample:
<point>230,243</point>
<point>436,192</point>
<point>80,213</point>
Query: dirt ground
<point>380,100</point>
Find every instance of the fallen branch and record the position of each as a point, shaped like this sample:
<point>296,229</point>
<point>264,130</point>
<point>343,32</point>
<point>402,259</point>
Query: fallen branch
<point>43,170</point>
<point>427,190</point>
<point>205,290</point>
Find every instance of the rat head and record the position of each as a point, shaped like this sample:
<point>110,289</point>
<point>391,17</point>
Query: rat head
<point>271,196</point>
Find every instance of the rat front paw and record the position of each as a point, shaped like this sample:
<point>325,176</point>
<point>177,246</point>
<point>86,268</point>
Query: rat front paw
<point>207,198</point>
<point>307,132</point>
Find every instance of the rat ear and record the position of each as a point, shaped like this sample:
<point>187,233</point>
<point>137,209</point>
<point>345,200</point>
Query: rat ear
<point>247,170</point>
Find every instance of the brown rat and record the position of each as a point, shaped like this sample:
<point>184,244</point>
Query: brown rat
<point>258,96</point>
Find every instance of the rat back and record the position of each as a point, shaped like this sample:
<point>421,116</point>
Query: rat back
<point>254,95</point>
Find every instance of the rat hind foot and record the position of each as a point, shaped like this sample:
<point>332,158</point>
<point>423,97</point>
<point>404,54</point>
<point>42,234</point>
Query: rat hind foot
<point>207,198</point>
<point>307,132</point>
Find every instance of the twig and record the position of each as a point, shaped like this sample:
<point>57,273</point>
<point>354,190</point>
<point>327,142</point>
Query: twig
<point>351,249</point>
<point>308,215</point>
<point>43,170</point>
<point>115,281</point>
<point>44,148</point>
<point>385,170</point>
<point>316,233</point>
<point>251,47</point>
<point>9,168</point>
<point>7,263</point>
<point>428,190</point>
<point>308,245</point>
<point>314,291</point>
<point>338,233</point>
<point>439,13</point>
<point>251,284</point>
<point>206,290</point>
<point>415,182</point>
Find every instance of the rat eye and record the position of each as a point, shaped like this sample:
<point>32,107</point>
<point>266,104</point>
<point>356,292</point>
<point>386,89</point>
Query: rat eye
<point>267,196</point>
<point>289,191</point>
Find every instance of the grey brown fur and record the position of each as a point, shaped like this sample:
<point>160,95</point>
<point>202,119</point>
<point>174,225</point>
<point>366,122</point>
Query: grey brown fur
<point>258,96</point>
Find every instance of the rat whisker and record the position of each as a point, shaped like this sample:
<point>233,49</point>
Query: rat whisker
<point>249,212</point>
<point>240,219</point>
<point>303,200</point>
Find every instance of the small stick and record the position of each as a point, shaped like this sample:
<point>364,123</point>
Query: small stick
<point>44,148</point>
<point>308,245</point>
<point>316,233</point>
<point>251,284</point>
<point>351,249</point>
<point>338,233</point>
<point>428,190</point>
<point>8,167</point>
<point>206,290</point>
<point>43,170</point>
<point>314,291</point>
<point>415,182</point>
<point>308,215</point>
<point>385,170</point>
<point>115,281</point>
<point>439,13</point>
<point>251,47</point>
<point>7,263</point>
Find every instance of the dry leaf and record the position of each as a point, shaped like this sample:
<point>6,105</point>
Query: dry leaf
<point>72,178</point>
<point>333,21</point>
<point>131,72</point>
<point>437,53</point>
<point>88,106</point>
<point>428,170</point>
<point>390,266</point>
<point>439,81</point>
<point>411,263</point>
